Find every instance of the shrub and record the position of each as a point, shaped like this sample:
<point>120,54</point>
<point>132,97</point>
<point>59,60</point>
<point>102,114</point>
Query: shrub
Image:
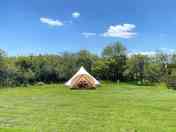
<point>171,82</point>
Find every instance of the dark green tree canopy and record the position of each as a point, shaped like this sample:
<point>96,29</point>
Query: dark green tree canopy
<point>113,64</point>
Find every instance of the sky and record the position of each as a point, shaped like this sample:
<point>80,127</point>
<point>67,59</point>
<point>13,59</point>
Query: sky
<point>55,26</point>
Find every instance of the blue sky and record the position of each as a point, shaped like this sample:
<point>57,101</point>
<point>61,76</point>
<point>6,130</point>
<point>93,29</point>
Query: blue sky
<point>53,26</point>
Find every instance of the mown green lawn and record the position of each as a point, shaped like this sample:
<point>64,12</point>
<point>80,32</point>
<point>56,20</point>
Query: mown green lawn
<point>110,108</point>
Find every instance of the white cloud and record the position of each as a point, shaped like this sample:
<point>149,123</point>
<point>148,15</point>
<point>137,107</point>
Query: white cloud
<point>87,34</point>
<point>166,50</point>
<point>76,14</point>
<point>51,22</point>
<point>149,53</point>
<point>153,52</point>
<point>121,31</point>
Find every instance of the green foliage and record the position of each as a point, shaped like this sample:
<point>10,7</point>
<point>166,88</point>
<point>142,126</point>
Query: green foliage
<point>115,56</point>
<point>136,67</point>
<point>152,73</point>
<point>171,82</point>
<point>86,59</point>
<point>171,76</point>
<point>114,64</point>
<point>100,69</point>
<point>114,50</point>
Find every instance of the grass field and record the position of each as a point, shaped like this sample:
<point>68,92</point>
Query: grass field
<point>110,108</point>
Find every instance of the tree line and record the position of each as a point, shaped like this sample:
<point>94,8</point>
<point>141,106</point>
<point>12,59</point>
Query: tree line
<point>113,64</point>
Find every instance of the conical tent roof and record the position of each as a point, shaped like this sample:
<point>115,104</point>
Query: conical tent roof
<point>81,71</point>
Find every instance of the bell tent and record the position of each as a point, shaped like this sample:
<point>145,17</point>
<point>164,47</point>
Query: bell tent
<point>82,80</point>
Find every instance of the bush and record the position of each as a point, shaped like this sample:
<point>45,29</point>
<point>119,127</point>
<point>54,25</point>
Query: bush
<point>171,82</point>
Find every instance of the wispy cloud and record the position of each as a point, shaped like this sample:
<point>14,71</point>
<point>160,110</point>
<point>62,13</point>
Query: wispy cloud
<point>149,53</point>
<point>153,52</point>
<point>76,14</point>
<point>121,31</point>
<point>167,50</point>
<point>51,22</point>
<point>88,34</point>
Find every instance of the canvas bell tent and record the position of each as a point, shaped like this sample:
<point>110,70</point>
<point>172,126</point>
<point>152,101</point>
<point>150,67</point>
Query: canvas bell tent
<point>82,79</point>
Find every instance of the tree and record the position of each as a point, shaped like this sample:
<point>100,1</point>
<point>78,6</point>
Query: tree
<point>67,65</point>
<point>114,64</point>
<point>136,67</point>
<point>152,73</point>
<point>100,69</point>
<point>162,59</point>
<point>115,56</point>
<point>114,50</point>
<point>86,59</point>
<point>2,59</point>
